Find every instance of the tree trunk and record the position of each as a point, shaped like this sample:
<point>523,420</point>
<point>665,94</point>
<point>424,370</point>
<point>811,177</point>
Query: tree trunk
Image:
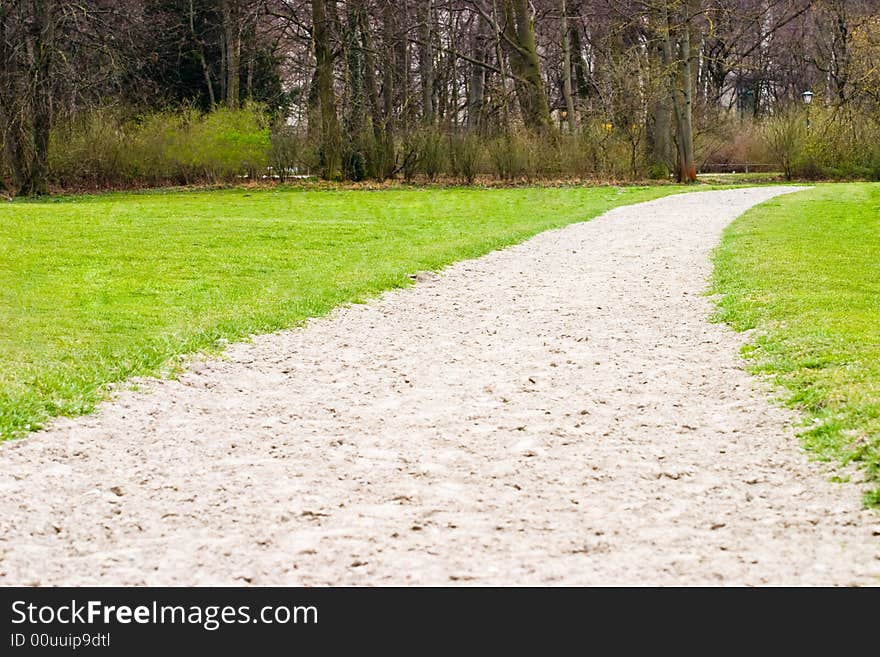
<point>250,48</point>
<point>28,97</point>
<point>331,139</point>
<point>354,88</point>
<point>566,73</point>
<point>398,22</point>
<point>502,67</point>
<point>676,55</point>
<point>526,67</point>
<point>44,24</point>
<point>370,83</point>
<point>426,60</point>
<point>200,51</point>
<point>453,69</point>
<point>581,82</point>
<point>477,86</point>
<point>231,13</point>
<point>687,163</point>
<point>659,127</point>
<point>9,109</point>
<point>388,67</point>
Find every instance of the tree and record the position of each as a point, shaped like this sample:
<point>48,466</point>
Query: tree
<point>675,34</point>
<point>27,57</point>
<point>426,60</point>
<point>331,139</point>
<point>567,89</point>
<point>522,51</point>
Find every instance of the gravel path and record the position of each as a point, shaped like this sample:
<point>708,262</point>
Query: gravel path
<point>559,412</point>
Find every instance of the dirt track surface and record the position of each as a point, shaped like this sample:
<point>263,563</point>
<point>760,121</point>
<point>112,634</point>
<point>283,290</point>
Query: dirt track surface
<point>559,412</point>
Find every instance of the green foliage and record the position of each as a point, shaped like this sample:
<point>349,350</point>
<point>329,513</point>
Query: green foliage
<point>355,165</point>
<point>285,151</point>
<point>103,148</point>
<point>423,151</point>
<point>658,171</point>
<point>785,137</point>
<point>803,271</point>
<point>106,148</point>
<point>380,155</point>
<point>464,157</point>
<point>835,145</point>
<point>511,156</point>
<point>432,156</point>
<point>411,154</point>
<point>94,290</point>
<point>227,142</point>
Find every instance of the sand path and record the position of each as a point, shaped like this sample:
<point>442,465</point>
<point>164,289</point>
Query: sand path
<point>557,412</point>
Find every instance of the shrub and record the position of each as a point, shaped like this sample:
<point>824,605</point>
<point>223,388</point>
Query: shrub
<point>184,146</point>
<point>411,155</point>
<point>354,164</point>
<point>228,143</point>
<point>161,149</point>
<point>91,149</point>
<point>285,151</point>
<point>380,155</point>
<point>785,140</point>
<point>431,155</point>
<point>837,144</point>
<point>511,156</point>
<point>464,155</point>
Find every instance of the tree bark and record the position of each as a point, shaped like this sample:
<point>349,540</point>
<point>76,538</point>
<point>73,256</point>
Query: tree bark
<point>453,69</point>
<point>354,88</point>
<point>677,55</point>
<point>10,115</point>
<point>231,13</point>
<point>426,60</point>
<point>44,27</point>
<point>580,69</point>
<point>566,73</point>
<point>477,86</point>
<point>659,129</point>
<point>200,51</point>
<point>26,107</point>
<point>331,139</point>
<point>523,55</point>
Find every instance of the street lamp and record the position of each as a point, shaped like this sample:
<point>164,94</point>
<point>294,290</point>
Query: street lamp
<point>808,100</point>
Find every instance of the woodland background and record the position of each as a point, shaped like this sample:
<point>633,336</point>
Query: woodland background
<point>101,94</point>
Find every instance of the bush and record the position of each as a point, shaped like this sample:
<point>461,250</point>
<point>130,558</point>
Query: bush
<point>91,149</point>
<point>785,140</point>
<point>104,148</point>
<point>354,165</point>
<point>161,149</point>
<point>229,143</point>
<point>464,155</point>
<point>431,156</point>
<point>380,155</point>
<point>511,156</point>
<point>836,145</point>
<point>285,151</point>
<point>411,155</point>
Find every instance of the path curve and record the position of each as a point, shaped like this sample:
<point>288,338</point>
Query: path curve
<point>559,412</point>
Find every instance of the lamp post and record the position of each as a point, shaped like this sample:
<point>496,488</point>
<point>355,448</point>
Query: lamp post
<point>808,100</point>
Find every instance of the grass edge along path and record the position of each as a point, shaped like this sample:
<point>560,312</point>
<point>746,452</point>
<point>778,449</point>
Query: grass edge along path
<point>96,290</point>
<point>803,271</point>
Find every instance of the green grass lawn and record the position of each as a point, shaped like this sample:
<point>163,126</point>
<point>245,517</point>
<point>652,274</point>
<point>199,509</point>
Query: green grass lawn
<point>95,290</point>
<point>804,270</point>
